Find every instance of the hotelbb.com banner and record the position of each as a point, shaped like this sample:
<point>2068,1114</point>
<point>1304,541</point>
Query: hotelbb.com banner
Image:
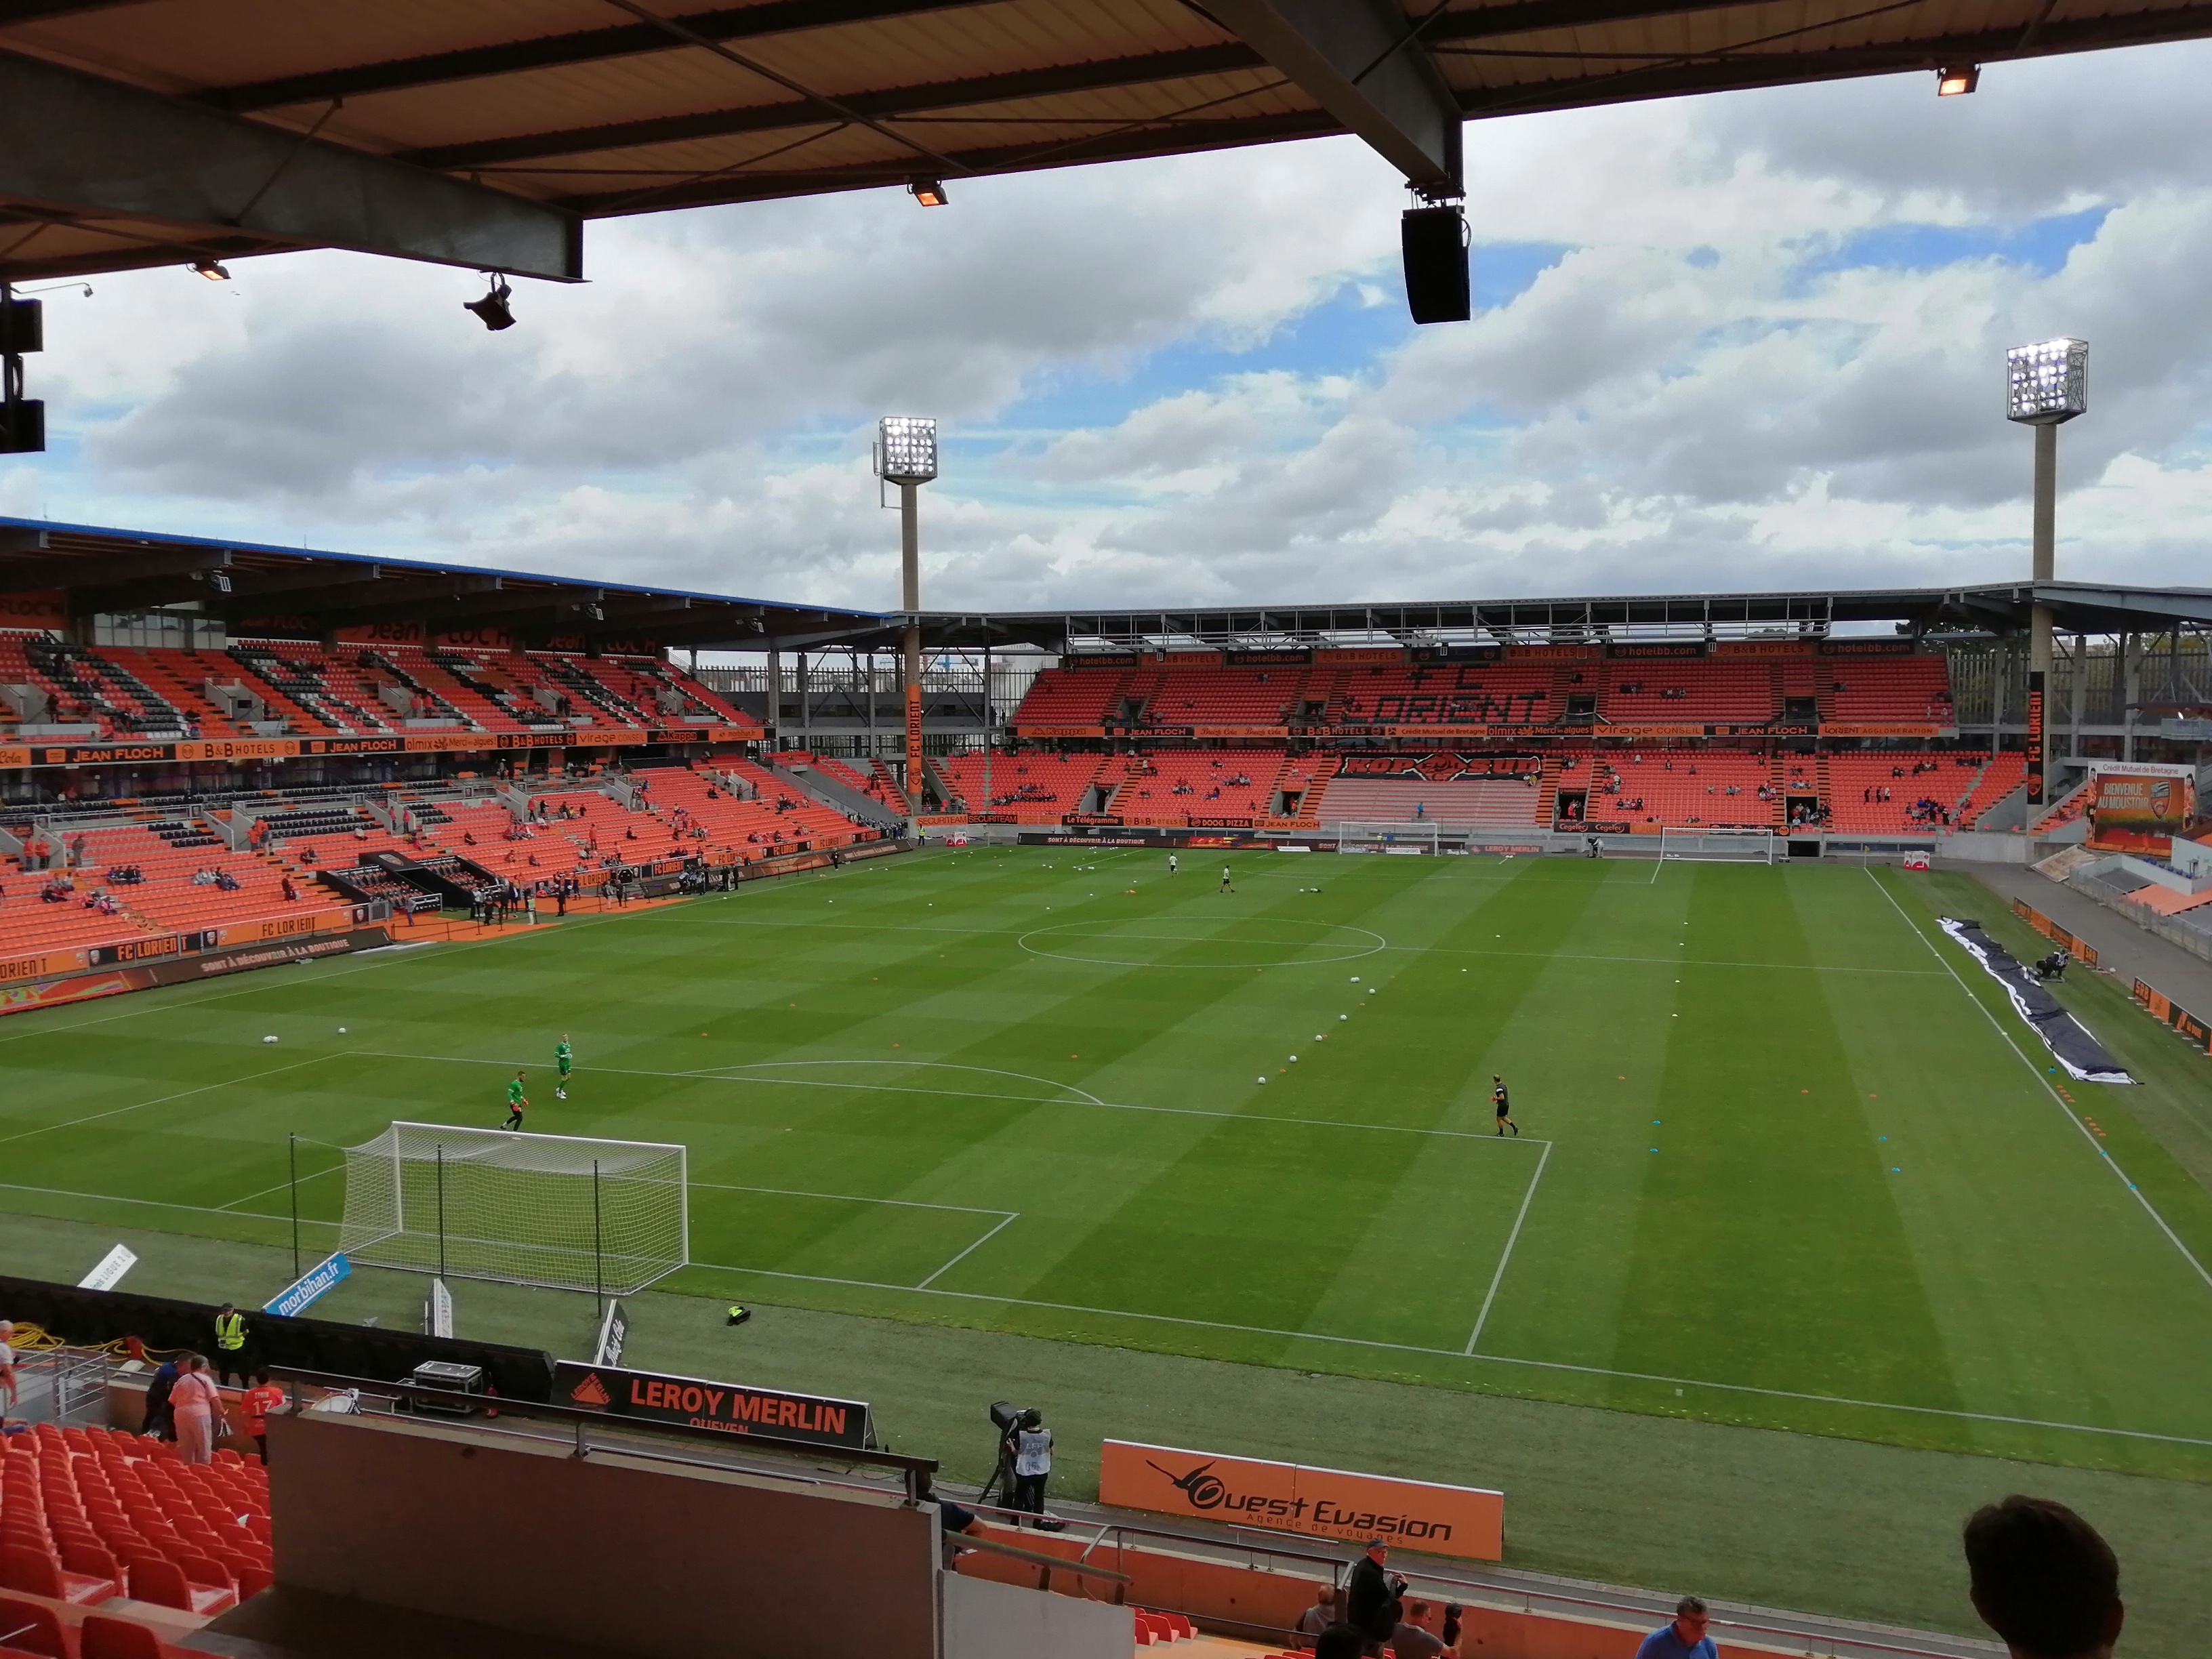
<point>1467,1522</point>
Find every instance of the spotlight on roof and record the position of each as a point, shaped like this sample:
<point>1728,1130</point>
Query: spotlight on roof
<point>211,269</point>
<point>906,449</point>
<point>1956,80</point>
<point>492,309</point>
<point>930,192</point>
<point>2047,383</point>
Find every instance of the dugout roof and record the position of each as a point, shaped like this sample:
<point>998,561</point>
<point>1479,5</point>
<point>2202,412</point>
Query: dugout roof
<point>484,133</point>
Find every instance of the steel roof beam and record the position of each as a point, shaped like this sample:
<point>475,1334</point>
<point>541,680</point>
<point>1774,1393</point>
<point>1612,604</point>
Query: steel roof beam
<point>90,148</point>
<point>111,573</point>
<point>561,51</point>
<point>1362,61</point>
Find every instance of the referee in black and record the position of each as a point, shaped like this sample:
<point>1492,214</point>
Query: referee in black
<point>1498,1099</point>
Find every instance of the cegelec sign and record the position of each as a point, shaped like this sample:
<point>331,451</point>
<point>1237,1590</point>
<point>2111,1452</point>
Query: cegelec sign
<point>730,1406</point>
<point>1467,1522</point>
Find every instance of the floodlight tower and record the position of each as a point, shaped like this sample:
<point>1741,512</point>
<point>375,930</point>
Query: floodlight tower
<point>906,455</point>
<point>2046,384</point>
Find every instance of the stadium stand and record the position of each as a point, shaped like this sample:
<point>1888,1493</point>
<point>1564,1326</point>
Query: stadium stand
<point>1197,783</point>
<point>1036,787</point>
<point>1893,793</point>
<point>1436,694</point>
<point>2005,773</point>
<point>1691,692</point>
<point>1071,696</point>
<point>1215,696</point>
<point>1887,688</point>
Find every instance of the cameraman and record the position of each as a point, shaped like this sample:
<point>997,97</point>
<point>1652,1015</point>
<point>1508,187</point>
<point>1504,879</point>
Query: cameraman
<point>1029,1443</point>
<point>1371,1604</point>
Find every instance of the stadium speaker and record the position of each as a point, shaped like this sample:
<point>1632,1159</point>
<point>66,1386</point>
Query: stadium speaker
<point>1434,241</point>
<point>22,427</point>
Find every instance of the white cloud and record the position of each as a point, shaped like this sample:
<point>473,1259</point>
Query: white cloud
<point>1176,386</point>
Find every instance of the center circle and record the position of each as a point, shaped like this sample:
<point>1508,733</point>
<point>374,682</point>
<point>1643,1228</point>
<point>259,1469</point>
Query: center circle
<point>1204,942</point>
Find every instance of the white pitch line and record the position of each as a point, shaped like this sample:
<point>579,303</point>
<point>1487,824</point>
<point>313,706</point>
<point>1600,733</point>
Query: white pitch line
<point>2057,1099</point>
<point>1479,1359</point>
<point>849,1198</point>
<point>1511,1239</point>
<point>281,1186</point>
<point>1012,1216</point>
<point>163,1100</point>
<point>717,1075</point>
<point>155,1204</point>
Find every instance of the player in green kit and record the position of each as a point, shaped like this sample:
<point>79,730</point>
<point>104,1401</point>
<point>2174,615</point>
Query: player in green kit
<point>565,1057</point>
<point>515,1103</point>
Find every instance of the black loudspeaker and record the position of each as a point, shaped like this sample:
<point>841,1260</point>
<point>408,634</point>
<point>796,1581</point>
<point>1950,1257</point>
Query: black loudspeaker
<point>22,427</point>
<point>1434,241</point>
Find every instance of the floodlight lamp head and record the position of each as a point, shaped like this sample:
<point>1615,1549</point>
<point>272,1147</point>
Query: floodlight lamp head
<point>211,269</point>
<point>2046,384</point>
<point>492,310</point>
<point>906,449</point>
<point>1956,80</point>
<point>930,192</point>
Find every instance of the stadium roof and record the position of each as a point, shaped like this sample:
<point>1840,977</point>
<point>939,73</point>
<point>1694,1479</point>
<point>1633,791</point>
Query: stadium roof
<point>127,572</point>
<point>121,572</point>
<point>484,133</point>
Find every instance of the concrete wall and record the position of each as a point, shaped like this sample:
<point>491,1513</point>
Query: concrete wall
<point>641,1558</point>
<point>987,1620</point>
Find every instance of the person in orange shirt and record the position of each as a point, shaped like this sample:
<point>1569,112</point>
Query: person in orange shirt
<point>256,1402</point>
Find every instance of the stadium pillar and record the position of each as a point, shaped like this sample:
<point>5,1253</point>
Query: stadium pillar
<point>806,714</point>
<point>2131,691</point>
<point>910,644</point>
<point>774,706</point>
<point>2039,625</point>
<point>2077,695</point>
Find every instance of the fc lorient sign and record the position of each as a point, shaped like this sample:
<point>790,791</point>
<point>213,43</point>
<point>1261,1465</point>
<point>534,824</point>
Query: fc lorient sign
<point>735,1407</point>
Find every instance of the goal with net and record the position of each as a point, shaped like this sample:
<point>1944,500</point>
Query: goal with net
<point>563,1212</point>
<point>1419,836</point>
<point>1717,845</point>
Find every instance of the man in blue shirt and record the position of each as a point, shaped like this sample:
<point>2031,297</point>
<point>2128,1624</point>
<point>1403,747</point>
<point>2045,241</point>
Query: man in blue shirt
<point>1684,1639</point>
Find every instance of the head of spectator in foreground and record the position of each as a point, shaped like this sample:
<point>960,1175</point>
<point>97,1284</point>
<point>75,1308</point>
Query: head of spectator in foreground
<point>7,1332</point>
<point>2042,1579</point>
<point>1340,1641</point>
<point>1692,1621</point>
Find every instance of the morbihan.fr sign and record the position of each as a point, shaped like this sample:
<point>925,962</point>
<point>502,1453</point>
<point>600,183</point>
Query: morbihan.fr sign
<point>311,1285</point>
<point>733,1407</point>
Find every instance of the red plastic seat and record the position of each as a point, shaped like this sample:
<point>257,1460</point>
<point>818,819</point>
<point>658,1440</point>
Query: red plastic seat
<point>27,1627</point>
<point>103,1637</point>
<point>37,1573</point>
<point>164,1584</point>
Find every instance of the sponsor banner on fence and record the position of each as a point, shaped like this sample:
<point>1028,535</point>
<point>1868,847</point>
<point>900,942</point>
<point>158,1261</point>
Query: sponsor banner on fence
<point>48,608</point>
<point>2036,758</point>
<point>731,1407</point>
<point>1879,728</point>
<point>1465,1522</point>
<point>310,1287</point>
<point>1627,650</point>
<point>1762,648</point>
<point>1359,654</point>
<point>2164,1009</point>
<point>2140,813</point>
<point>1867,648</point>
<point>182,970</point>
<point>2084,952</point>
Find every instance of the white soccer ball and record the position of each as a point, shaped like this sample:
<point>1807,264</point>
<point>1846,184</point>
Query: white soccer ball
<point>1259,1080</point>
<point>1343,1016</point>
<point>1294,1059</point>
<point>1372,989</point>
<point>269,1039</point>
<point>341,1031</point>
<point>1355,979</point>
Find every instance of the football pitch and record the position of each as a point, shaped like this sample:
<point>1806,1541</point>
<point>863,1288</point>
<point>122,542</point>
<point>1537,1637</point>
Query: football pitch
<point>1786,1157</point>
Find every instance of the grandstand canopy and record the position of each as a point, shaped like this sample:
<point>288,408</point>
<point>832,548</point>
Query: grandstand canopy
<point>484,133</point>
<point>253,587</point>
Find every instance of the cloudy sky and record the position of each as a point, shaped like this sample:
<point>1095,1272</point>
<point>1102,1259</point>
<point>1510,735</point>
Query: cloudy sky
<point>1747,341</point>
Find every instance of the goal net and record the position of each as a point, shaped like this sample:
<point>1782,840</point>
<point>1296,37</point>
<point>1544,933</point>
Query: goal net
<point>563,1212</point>
<point>1717,845</point>
<point>1419,836</point>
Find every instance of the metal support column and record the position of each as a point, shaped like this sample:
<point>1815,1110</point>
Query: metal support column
<point>774,706</point>
<point>987,737</point>
<point>910,641</point>
<point>2039,635</point>
<point>806,710</point>
<point>2077,698</point>
<point>2131,691</point>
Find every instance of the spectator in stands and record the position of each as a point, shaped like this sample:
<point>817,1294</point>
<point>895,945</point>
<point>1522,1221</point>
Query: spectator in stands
<point>1371,1604</point>
<point>1684,1639</point>
<point>2042,1578</point>
<point>160,1421</point>
<point>1317,1617</point>
<point>8,1388</point>
<point>1411,1639</point>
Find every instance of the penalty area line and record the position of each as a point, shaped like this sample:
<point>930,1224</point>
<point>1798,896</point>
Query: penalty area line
<point>2110,1163</point>
<point>1478,1358</point>
<point>1011,1217</point>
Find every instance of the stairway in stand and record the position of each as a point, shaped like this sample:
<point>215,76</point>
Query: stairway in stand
<point>894,797</point>
<point>1778,781</point>
<point>1547,793</point>
<point>1821,773</point>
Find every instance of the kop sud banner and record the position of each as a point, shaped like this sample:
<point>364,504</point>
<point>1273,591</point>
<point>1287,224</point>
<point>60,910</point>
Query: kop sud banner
<point>1465,1522</point>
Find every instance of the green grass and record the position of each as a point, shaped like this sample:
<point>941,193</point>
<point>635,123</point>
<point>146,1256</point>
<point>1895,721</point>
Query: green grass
<point>1787,1160</point>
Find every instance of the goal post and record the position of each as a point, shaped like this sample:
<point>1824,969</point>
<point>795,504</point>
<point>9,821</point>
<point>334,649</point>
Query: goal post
<point>1419,836</point>
<point>566,1213</point>
<point>1717,845</point>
